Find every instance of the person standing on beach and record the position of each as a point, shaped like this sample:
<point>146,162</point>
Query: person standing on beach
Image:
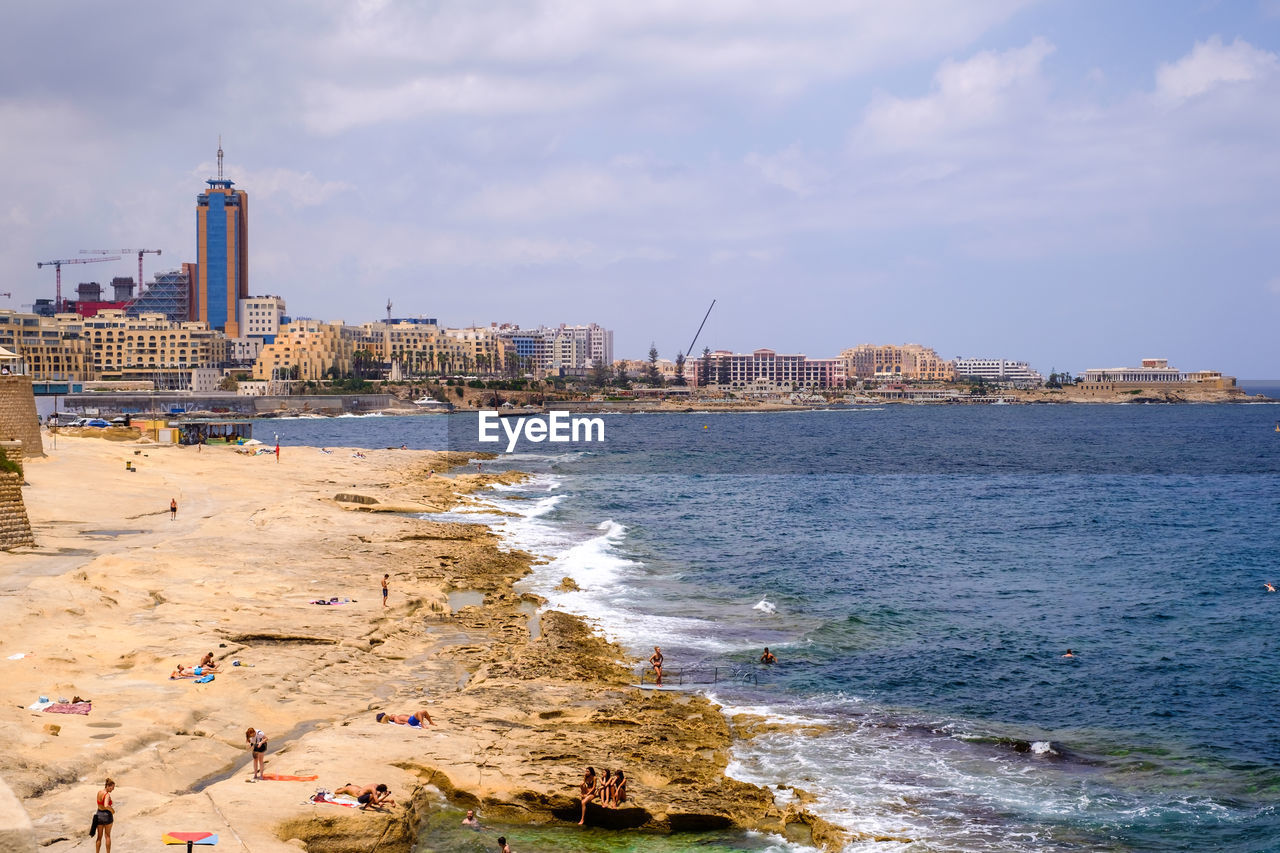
<point>656,662</point>
<point>173,508</point>
<point>257,742</point>
<point>104,817</point>
<point>385,580</point>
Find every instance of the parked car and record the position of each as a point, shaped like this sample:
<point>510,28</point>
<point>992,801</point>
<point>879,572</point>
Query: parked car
<point>61,419</point>
<point>96,422</point>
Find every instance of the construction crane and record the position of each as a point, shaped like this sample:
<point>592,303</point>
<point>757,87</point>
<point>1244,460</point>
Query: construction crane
<point>139,252</point>
<point>57,266</point>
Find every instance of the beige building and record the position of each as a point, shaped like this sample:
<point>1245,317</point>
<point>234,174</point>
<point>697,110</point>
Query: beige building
<point>316,349</point>
<point>146,347</point>
<point>473,350</point>
<point>412,346</point>
<point>891,362</point>
<point>46,351</point>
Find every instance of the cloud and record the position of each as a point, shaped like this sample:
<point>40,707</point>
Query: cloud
<point>334,108</point>
<point>790,169</point>
<point>276,186</point>
<point>389,62</point>
<point>975,92</point>
<point>1212,63</point>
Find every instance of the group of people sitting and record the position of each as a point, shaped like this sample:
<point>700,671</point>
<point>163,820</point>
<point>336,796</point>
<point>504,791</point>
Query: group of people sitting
<point>609,790</point>
<point>206,666</point>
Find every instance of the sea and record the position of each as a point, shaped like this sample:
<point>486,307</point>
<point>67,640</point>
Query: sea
<point>920,572</point>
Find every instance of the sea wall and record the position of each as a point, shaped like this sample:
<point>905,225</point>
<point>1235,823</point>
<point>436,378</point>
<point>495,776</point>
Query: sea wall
<point>119,403</point>
<point>18,419</point>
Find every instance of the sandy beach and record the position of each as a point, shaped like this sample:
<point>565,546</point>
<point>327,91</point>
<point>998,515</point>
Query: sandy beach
<point>117,593</point>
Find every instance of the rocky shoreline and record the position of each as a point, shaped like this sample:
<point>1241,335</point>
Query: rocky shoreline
<point>115,592</point>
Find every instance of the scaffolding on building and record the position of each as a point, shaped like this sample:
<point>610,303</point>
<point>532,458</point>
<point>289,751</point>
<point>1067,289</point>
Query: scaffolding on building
<point>167,295</point>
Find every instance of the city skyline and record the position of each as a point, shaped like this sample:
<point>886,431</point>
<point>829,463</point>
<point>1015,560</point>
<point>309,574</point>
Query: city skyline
<point>1070,185</point>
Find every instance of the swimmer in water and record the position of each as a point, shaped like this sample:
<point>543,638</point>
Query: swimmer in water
<point>768,656</point>
<point>1069,654</point>
<point>1270,587</point>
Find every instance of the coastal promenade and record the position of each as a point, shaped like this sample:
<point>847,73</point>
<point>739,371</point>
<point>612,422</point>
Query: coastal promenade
<point>116,594</point>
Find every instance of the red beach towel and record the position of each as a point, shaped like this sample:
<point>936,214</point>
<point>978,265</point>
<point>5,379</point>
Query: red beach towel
<point>82,708</point>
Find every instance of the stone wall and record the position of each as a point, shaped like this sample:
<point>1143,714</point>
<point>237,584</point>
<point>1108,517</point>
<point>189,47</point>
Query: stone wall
<point>15,527</point>
<point>18,418</point>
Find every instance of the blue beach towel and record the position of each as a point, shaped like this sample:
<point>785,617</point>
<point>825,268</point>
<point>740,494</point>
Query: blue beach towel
<point>205,680</point>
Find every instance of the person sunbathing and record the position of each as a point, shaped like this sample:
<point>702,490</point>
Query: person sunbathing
<point>370,796</point>
<point>414,720</point>
<point>183,671</point>
<point>207,663</point>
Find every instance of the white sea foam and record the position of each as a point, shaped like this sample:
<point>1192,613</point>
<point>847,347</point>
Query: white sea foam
<point>766,607</point>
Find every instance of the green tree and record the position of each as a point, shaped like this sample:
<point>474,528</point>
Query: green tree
<point>652,374</point>
<point>679,380</point>
<point>599,373</point>
<point>704,377</point>
<point>622,380</point>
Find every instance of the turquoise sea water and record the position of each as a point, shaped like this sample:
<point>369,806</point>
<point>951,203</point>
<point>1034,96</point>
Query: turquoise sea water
<point>923,570</point>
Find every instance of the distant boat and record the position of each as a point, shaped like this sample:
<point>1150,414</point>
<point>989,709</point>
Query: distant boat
<point>432,404</point>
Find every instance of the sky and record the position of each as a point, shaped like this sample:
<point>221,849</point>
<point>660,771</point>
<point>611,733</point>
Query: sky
<point>1074,184</point>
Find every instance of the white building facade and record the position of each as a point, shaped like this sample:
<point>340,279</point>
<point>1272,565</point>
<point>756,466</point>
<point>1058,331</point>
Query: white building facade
<point>997,370</point>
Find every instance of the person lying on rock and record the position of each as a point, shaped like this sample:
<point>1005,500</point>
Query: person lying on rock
<point>370,796</point>
<point>414,720</point>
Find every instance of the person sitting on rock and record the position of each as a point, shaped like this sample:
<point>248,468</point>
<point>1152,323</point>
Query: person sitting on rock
<point>207,662</point>
<point>619,788</point>
<point>588,791</point>
<point>604,788</point>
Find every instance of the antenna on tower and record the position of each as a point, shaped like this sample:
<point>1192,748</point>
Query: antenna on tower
<point>219,156</point>
<point>388,310</point>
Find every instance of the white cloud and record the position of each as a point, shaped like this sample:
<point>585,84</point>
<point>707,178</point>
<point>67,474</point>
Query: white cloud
<point>1211,63</point>
<point>790,169</point>
<point>974,92</point>
<point>334,108</point>
<point>388,62</point>
<point>277,186</point>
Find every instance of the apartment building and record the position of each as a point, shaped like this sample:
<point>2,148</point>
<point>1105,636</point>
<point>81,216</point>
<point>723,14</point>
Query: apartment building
<point>411,344</point>
<point>148,347</point>
<point>47,353</point>
<point>560,349</point>
<point>477,349</point>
